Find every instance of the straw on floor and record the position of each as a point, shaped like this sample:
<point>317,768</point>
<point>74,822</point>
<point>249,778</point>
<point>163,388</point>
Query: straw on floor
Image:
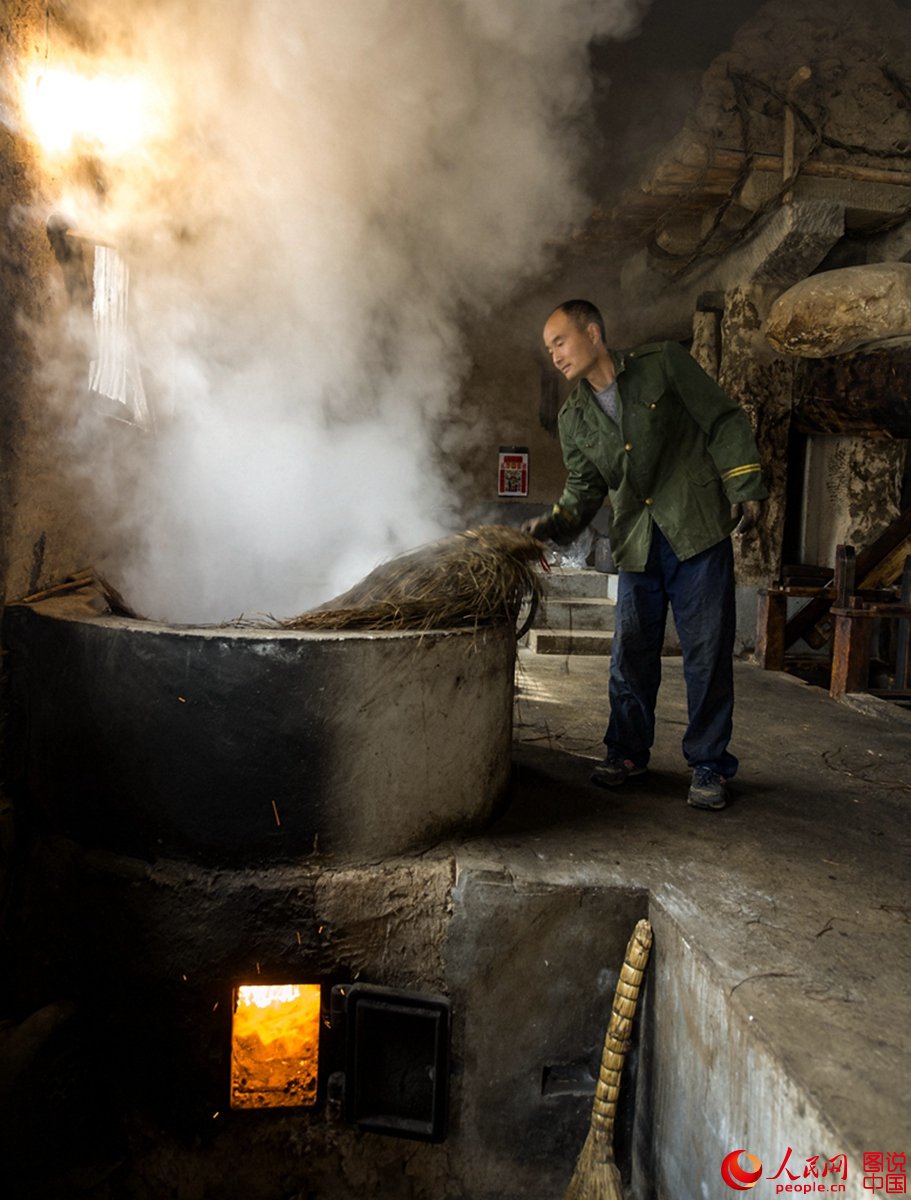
<point>482,576</point>
<point>596,1176</point>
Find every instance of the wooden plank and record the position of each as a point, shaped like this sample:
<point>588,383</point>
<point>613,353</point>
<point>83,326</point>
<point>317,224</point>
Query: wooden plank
<point>890,567</point>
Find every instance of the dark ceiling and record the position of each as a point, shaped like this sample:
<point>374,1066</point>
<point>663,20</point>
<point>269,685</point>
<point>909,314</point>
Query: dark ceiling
<point>644,86</point>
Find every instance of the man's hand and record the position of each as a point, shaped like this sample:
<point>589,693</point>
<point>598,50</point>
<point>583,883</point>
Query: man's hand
<point>541,527</point>
<point>747,515</point>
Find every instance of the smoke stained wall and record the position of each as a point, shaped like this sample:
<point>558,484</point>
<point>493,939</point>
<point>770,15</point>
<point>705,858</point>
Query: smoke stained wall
<point>322,198</point>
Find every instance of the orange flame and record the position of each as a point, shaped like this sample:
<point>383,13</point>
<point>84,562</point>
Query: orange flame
<point>275,1045</point>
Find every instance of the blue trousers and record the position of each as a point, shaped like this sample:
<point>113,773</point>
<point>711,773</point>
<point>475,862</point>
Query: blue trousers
<point>700,591</point>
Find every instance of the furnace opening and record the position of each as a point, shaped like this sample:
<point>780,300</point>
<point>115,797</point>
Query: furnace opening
<point>275,1045</point>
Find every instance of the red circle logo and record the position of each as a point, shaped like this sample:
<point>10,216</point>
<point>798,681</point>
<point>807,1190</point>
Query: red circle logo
<point>738,1177</point>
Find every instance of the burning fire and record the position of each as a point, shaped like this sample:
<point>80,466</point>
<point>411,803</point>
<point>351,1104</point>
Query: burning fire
<point>106,115</point>
<point>275,1045</point>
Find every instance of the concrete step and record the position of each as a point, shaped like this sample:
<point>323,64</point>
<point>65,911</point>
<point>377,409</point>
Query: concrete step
<point>585,641</point>
<point>571,612</point>
<point>577,615</point>
<point>581,582</point>
<point>570,641</point>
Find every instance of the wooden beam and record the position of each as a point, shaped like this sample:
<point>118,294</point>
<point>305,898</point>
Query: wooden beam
<point>723,166</point>
<point>889,568</point>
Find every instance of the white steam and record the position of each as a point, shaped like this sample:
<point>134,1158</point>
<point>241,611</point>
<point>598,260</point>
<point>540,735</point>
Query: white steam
<point>338,187</point>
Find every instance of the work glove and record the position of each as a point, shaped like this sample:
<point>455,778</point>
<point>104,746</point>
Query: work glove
<point>543,528</point>
<point>746,513</point>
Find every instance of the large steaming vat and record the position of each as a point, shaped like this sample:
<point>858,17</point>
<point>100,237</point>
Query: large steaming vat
<point>240,746</point>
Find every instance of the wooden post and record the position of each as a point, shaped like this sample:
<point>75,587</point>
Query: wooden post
<point>801,75</point>
<point>771,618</point>
<point>845,575</point>
<point>851,641</point>
<point>903,646</point>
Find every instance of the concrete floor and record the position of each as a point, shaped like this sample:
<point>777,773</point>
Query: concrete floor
<point>783,924</point>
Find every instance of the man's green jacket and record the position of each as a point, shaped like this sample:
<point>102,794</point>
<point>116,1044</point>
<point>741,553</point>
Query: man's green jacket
<point>682,454</point>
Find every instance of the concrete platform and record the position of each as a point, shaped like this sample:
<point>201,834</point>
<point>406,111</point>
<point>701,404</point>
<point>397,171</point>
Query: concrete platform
<point>778,1012</point>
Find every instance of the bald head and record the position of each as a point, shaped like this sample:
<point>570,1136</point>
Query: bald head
<point>574,338</point>
<point>583,313</point>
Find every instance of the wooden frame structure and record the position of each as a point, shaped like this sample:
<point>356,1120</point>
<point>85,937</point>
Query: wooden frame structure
<point>846,613</point>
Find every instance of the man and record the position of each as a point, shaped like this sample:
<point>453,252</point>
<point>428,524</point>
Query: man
<point>676,458</point>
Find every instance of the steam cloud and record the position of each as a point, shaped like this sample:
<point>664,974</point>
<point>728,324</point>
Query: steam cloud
<point>340,185</point>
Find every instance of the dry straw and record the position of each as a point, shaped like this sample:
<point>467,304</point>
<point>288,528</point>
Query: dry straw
<point>596,1176</point>
<point>483,576</point>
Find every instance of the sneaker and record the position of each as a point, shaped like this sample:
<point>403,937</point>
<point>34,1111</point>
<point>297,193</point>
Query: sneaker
<point>708,789</point>
<point>614,771</point>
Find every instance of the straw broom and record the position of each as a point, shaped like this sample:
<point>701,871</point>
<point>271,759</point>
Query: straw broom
<point>596,1176</point>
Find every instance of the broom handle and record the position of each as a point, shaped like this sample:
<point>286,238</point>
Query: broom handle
<point>617,1038</point>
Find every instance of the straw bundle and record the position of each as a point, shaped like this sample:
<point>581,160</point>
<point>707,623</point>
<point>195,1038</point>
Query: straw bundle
<point>481,576</point>
<point>596,1176</point>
